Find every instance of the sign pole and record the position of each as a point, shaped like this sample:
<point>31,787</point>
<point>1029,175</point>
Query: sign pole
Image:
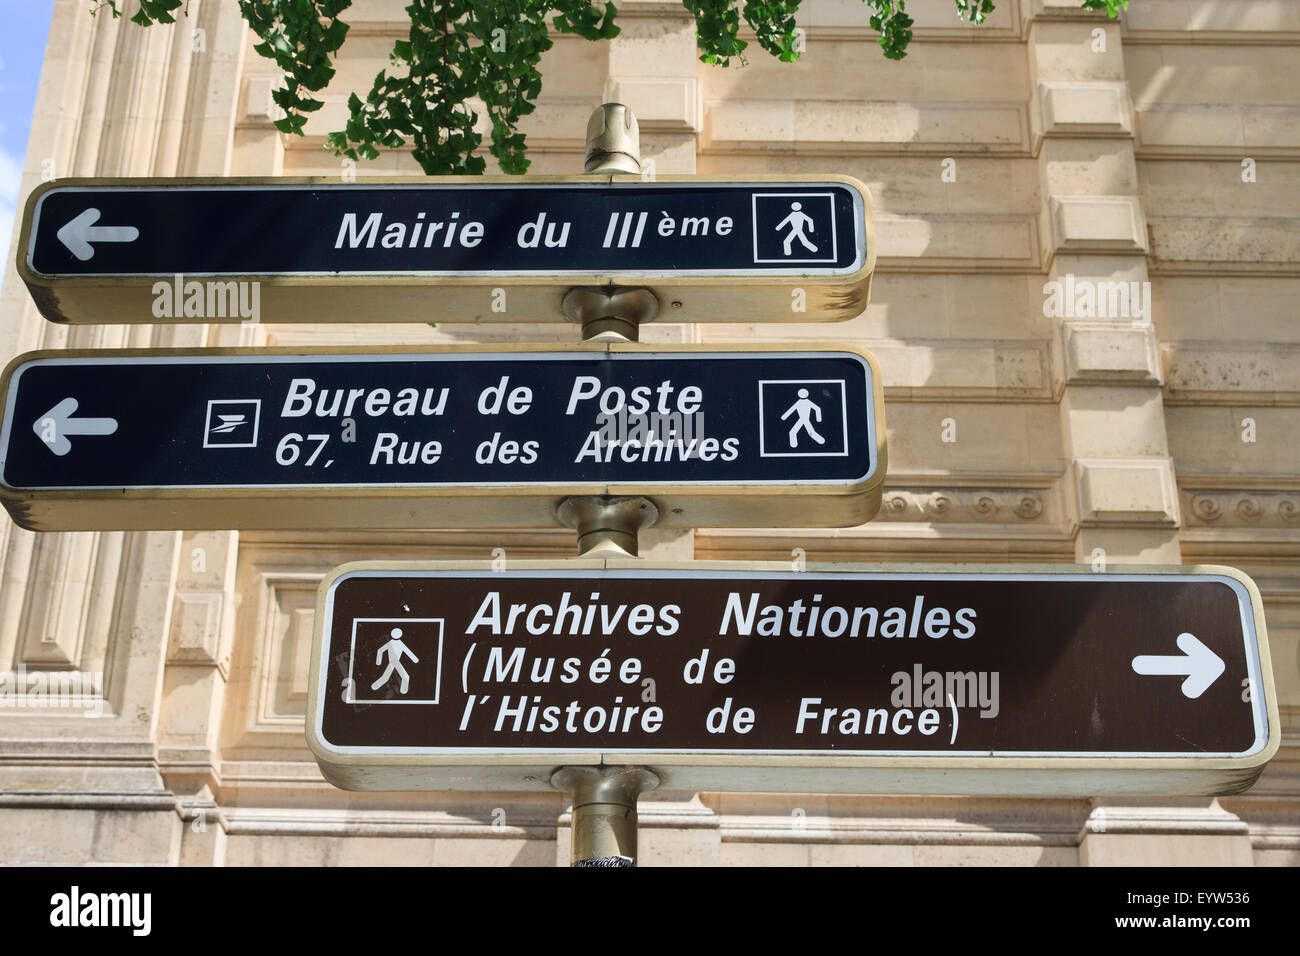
<point>607,525</point>
<point>603,819</point>
<point>606,315</point>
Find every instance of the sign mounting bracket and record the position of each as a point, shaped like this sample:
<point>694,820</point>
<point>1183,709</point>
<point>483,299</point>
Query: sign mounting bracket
<point>604,812</point>
<point>610,314</point>
<point>607,525</point>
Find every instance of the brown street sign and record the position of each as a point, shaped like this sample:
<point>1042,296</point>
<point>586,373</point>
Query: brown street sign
<point>455,249</point>
<point>1043,680</point>
<point>430,438</point>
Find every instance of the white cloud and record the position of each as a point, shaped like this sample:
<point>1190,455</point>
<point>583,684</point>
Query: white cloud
<point>11,175</point>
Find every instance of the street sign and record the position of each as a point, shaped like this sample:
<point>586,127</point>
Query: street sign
<point>1051,680</point>
<point>401,438</point>
<point>470,249</point>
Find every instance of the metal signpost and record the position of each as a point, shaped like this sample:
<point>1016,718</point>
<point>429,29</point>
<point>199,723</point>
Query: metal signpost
<point>259,438</point>
<point>600,676</point>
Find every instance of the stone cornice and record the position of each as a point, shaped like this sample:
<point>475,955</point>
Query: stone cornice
<point>1240,508</point>
<point>953,505</point>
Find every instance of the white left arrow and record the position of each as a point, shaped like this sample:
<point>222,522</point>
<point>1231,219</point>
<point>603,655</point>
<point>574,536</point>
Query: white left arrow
<point>79,233</point>
<point>57,424</point>
<point>1198,663</point>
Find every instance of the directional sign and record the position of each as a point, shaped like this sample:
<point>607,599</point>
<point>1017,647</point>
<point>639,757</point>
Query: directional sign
<point>744,677</point>
<point>264,438</point>
<point>783,249</point>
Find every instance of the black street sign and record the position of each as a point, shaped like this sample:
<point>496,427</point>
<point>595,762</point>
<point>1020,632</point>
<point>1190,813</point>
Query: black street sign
<point>1049,680</point>
<point>402,438</point>
<point>789,249</point>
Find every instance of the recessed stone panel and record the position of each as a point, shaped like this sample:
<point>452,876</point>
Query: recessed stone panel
<point>1085,109</point>
<point>1104,352</point>
<point>1126,491</point>
<point>1097,223</point>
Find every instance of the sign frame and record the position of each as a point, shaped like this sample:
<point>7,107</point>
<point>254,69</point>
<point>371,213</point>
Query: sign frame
<point>1063,776</point>
<point>522,505</point>
<point>463,298</point>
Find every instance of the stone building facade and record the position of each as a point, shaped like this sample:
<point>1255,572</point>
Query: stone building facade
<point>1050,145</point>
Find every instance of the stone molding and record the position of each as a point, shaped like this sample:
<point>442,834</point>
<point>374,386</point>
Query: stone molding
<point>1241,508</point>
<point>532,824</point>
<point>965,505</point>
<point>1060,10</point>
<point>896,830</point>
<point>1165,820</point>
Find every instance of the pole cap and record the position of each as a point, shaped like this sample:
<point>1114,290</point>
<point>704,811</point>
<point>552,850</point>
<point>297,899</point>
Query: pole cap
<point>613,141</point>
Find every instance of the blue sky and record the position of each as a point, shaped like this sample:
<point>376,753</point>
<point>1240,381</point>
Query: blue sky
<point>22,50</point>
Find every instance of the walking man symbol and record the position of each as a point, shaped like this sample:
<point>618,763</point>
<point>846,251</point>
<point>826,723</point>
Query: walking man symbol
<point>803,410</point>
<point>797,221</point>
<point>395,649</point>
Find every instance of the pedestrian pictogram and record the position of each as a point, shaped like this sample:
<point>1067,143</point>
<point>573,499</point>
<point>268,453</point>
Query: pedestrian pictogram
<point>394,650</point>
<point>803,409</point>
<point>798,220</point>
<point>393,661</point>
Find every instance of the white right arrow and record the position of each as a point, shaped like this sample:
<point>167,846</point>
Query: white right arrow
<point>79,233</point>
<point>1200,664</point>
<point>57,424</point>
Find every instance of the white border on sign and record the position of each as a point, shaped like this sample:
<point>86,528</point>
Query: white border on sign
<point>859,230</point>
<point>753,212</point>
<point>1250,642</point>
<point>10,404</point>
<point>844,419</point>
